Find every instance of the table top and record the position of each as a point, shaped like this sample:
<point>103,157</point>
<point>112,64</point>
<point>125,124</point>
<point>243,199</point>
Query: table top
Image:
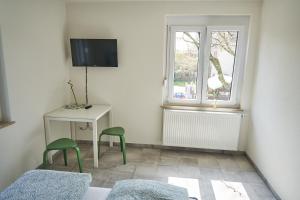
<point>93,113</point>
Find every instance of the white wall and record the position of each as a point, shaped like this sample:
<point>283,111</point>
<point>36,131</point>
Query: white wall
<point>34,59</point>
<point>135,88</point>
<point>274,140</point>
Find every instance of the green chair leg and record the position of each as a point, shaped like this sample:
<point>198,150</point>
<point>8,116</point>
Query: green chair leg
<point>122,138</point>
<point>78,158</point>
<point>65,157</point>
<point>45,158</point>
<point>115,131</point>
<point>121,144</point>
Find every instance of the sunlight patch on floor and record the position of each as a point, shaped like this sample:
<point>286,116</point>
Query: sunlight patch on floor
<point>191,184</point>
<point>225,190</point>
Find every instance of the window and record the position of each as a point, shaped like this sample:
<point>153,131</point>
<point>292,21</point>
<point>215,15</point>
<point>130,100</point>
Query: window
<point>204,64</point>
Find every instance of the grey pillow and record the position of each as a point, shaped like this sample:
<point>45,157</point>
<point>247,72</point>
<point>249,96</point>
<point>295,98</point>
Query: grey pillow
<point>135,189</point>
<point>48,184</point>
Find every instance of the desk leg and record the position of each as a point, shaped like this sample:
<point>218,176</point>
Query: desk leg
<point>111,142</point>
<point>47,137</point>
<point>73,130</point>
<point>95,144</point>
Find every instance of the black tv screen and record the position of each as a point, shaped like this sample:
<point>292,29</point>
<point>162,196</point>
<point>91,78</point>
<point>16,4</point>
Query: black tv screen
<point>94,52</point>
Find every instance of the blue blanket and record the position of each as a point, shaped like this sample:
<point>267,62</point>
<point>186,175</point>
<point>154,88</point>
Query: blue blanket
<point>146,190</point>
<point>47,184</point>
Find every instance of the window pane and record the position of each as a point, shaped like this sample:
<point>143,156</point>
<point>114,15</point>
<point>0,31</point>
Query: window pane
<point>221,67</point>
<point>186,65</point>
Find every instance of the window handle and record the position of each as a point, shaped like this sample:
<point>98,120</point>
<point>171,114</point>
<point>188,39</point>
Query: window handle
<point>165,81</point>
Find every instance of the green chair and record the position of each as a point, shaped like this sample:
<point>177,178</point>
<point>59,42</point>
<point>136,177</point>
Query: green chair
<point>115,131</point>
<point>63,144</point>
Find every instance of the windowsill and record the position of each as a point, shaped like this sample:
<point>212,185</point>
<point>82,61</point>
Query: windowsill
<point>4,124</point>
<point>201,108</point>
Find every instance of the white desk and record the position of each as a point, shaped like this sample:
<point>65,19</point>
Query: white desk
<point>80,115</point>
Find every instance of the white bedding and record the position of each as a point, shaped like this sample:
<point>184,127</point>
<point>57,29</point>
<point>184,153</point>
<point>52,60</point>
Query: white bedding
<point>96,193</point>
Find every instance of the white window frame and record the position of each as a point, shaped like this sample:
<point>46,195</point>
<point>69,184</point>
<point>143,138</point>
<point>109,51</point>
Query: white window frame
<point>238,64</point>
<point>203,64</point>
<point>171,61</point>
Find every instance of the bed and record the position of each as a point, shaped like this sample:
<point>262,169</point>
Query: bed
<point>96,193</point>
<point>58,185</point>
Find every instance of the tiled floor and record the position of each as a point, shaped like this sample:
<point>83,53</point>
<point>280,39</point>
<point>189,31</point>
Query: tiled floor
<point>207,176</point>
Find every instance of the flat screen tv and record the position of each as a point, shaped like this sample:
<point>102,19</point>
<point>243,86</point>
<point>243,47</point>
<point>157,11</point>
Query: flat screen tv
<point>94,52</point>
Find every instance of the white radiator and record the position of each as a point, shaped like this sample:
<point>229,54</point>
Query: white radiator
<point>201,129</point>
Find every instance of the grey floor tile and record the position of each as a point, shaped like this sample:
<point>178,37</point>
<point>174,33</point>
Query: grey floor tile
<point>232,176</point>
<point>151,155</point>
<point>184,161</point>
<point>148,151</point>
<point>161,165</point>
<point>208,161</point>
<point>60,168</point>
<point>243,163</point>
<point>166,160</point>
<point>211,174</point>
<point>189,154</point>
<point>188,171</point>
<point>167,171</point>
<point>206,189</point>
<point>118,176</point>
<point>162,179</point>
<point>99,183</point>
<point>100,174</point>
<point>134,155</point>
<point>110,159</point>
<point>169,153</point>
<point>146,170</point>
<point>227,163</point>
<point>151,159</point>
<point>124,168</point>
<point>251,177</point>
<point>258,191</point>
<point>71,158</point>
